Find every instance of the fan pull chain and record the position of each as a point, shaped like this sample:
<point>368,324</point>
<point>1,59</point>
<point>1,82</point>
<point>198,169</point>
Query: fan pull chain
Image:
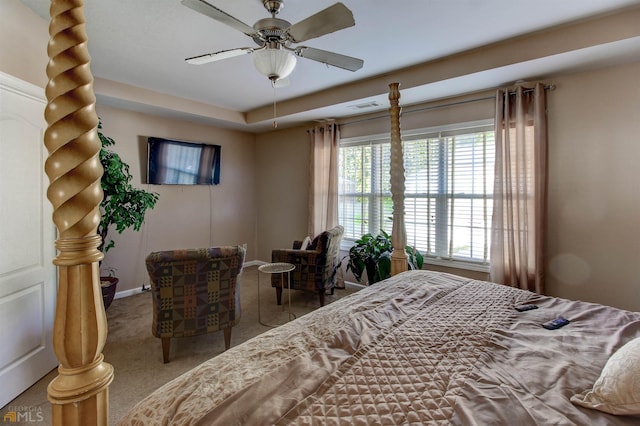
<point>275,122</point>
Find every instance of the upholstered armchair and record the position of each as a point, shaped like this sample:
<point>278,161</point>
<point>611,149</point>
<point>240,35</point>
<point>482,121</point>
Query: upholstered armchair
<point>195,291</point>
<point>316,266</point>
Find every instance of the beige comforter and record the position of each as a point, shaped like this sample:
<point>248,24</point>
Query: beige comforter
<point>419,348</point>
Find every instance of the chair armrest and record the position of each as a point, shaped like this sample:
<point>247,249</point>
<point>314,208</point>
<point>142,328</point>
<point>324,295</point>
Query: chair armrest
<point>307,273</point>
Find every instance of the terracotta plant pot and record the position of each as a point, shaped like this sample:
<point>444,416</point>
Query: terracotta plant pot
<point>108,285</point>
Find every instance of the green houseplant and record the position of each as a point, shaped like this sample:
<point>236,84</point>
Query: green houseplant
<point>123,206</point>
<point>372,253</point>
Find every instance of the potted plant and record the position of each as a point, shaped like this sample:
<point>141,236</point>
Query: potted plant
<point>372,253</point>
<point>123,206</point>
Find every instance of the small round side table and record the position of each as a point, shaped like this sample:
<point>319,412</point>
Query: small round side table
<point>277,268</point>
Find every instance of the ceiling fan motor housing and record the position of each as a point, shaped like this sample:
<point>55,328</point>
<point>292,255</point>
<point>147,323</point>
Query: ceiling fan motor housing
<point>271,29</point>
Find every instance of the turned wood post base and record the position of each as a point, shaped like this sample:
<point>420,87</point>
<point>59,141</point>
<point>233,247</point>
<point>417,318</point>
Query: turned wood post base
<point>79,394</point>
<point>74,402</point>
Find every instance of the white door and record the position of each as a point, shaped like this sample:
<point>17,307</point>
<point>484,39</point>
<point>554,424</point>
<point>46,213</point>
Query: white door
<point>27,233</point>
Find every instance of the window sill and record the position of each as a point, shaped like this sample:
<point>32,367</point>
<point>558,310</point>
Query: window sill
<point>457,264</point>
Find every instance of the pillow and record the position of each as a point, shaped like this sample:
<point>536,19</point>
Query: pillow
<point>617,390</point>
<point>305,243</point>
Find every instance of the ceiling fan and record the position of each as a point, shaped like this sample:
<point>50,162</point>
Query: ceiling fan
<point>275,57</point>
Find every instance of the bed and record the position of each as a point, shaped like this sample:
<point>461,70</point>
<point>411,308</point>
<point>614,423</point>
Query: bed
<point>418,348</point>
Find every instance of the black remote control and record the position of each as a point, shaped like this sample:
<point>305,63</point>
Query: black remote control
<point>556,323</point>
<point>527,307</point>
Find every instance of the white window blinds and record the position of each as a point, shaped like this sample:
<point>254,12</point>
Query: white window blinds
<point>448,190</point>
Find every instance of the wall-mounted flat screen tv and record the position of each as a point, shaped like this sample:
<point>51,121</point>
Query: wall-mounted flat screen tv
<point>173,162</point>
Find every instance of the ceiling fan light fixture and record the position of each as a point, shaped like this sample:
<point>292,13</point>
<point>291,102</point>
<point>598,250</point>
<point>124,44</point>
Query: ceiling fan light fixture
<point>274,63</point>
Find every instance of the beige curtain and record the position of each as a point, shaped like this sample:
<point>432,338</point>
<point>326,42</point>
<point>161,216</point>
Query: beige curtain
<point>520,189</point>
<point>323,178</point>
<point>323,182</point>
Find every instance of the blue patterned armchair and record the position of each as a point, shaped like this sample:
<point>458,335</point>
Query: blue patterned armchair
<point>316,267</point>
<point>195,291</point>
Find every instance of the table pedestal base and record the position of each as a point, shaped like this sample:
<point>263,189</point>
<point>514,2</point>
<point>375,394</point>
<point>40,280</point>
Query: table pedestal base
<point>277,268</point>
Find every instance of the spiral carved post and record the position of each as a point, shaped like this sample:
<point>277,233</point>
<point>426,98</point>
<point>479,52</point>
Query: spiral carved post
<point>79,394</point>
<point>398,232</point>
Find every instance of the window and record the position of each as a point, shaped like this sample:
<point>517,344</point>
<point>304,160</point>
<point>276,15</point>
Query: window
<point>448,190</point>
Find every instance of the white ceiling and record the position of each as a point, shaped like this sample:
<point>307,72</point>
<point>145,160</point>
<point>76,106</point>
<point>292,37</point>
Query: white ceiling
<point>144,42</point>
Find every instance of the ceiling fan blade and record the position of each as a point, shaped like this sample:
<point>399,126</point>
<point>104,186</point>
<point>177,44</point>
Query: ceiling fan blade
<point>218,56</point>
<point>211,11</point>
<point>326,21</point>
<point>330,58</point>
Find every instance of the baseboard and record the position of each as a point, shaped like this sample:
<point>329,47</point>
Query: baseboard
<point>134,291</point>
<point>130,292</point>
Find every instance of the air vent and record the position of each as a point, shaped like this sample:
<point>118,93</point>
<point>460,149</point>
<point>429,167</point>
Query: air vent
<point>365,105</point>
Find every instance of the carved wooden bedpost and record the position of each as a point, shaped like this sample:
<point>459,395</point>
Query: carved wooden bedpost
<point>398,232</point>
<point>79,394</point>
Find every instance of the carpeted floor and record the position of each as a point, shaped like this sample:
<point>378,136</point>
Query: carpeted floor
<point>137,356</point>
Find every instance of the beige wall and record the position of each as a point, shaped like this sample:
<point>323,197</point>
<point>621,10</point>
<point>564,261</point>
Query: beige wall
<point>28,58</point>
<point>594,198</point>
<point>282,167</point>
<point>473,107</point>
<point>185,216</point>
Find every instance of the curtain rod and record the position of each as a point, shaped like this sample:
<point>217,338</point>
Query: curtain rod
<point>484,98</point>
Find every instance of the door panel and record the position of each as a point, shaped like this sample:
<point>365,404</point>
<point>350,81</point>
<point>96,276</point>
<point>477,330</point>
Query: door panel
<point>27,233</point>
